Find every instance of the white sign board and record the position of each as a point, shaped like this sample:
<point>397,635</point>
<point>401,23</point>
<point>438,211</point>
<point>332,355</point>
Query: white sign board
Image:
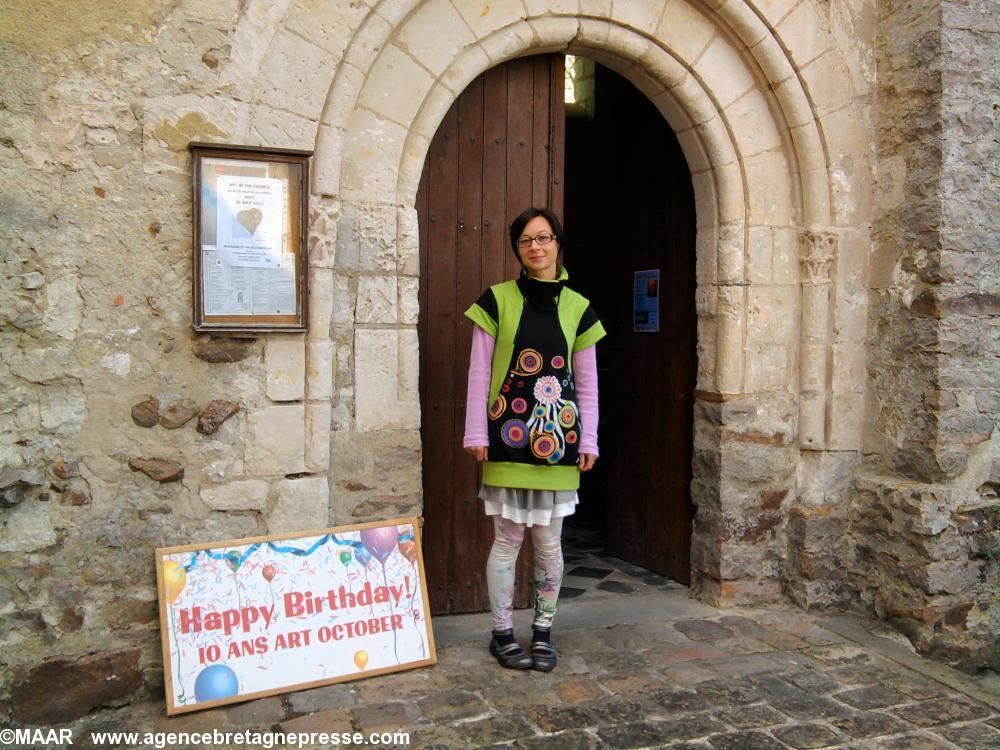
<point>254,617</point>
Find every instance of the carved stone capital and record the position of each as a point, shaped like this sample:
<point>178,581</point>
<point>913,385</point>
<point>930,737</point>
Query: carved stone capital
<point>816,250</point>
<point>322,238</point>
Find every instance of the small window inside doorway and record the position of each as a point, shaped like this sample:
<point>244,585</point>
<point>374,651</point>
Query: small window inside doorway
<point>579,98</point>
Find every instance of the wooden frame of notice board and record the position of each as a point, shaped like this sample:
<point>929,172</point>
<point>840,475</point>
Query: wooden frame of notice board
<point>249,224</point>
<point>242,619</point>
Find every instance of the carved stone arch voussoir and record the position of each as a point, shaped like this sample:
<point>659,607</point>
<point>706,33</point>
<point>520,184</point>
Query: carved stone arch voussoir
<point>354,127</point>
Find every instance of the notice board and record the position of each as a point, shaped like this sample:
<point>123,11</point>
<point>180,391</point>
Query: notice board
<point>248,618</point>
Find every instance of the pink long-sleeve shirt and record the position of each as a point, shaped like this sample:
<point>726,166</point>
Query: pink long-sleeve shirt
<point>480,360</point>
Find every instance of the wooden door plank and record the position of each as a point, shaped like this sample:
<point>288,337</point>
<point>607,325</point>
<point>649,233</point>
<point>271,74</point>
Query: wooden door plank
<point>541,183</point>
<point>469,518</point>
<point>557,133</point>
<point>495,240</point>
<point>438,433</point>
<point>520,89</point>
<point>423,207</point>
<point>493,245</point>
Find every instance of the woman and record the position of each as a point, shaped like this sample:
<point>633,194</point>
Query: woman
<point>532,417</point>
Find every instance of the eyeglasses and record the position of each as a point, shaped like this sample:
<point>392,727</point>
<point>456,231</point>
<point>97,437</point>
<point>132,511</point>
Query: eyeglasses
<point>542,239</point>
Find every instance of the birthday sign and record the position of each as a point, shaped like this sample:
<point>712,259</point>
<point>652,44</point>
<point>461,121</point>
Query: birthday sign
<point>254,617</point>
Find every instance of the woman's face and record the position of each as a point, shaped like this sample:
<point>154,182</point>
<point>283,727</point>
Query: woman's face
<point>538,259</point>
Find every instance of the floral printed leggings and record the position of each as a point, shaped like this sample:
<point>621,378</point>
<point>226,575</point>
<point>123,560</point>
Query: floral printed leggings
<point>507,538</point>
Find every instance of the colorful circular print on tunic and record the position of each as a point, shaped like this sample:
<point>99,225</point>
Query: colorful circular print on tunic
<point>547,390</point>
<point>498,408</point>
<point>543,445</point>
<point>515,433</point>
<point>558,362</point>
<point>539,411</point>
<point>556,457</point>
<point>529,362</point>
<point>571,437</point>
<point>567,417</point>
<point>519,405</point>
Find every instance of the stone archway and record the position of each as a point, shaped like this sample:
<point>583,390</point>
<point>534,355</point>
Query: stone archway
<point>738,94</point>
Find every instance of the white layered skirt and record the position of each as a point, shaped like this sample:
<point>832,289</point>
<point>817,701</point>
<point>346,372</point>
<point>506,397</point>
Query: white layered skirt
<point>530,507</point>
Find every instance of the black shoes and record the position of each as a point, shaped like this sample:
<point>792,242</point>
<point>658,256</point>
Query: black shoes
<point>510,655</point>
<point>543,653</point>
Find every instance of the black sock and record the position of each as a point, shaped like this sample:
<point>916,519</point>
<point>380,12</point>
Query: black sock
<point>540,636</point>
<point>504,637</point>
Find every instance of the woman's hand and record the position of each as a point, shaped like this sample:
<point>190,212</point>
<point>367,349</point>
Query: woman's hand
<point>587,461</point>
<point>479,451</point>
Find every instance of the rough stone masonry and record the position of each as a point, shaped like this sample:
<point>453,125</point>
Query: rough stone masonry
<point>844,166</point>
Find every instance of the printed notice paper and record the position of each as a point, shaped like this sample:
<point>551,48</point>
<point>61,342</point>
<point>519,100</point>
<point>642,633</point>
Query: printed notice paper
<point>646,301</point>
<point>238,290</point>
<point>249,221</point>
<point>254,617</point>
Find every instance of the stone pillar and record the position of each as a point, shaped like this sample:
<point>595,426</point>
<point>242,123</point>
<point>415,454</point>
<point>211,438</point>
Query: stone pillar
<point>319,346</point>
<point>731,306</point>
<point>744,461</point>
<point>729,345</point>
<point>816,251</point>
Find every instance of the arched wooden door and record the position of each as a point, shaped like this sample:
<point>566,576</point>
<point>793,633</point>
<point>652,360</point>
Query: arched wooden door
<point>499,150</point>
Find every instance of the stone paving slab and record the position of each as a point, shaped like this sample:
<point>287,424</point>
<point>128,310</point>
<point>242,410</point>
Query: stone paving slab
<point>656,670</point>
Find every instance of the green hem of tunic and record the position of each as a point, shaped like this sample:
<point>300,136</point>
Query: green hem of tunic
<point>531,476</point>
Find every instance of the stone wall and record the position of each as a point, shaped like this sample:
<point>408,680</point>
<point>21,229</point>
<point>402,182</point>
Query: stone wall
<point>108,448</point>
<point>773,105</point>
<point>924,512</point>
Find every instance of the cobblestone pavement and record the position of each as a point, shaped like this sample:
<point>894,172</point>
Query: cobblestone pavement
<point>653,668</point>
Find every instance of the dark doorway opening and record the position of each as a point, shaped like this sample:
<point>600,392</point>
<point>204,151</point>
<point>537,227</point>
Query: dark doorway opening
<point>629,206</point>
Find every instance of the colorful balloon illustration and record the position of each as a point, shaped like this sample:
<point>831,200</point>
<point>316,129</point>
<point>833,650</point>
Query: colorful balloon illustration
<point>363,556</point>
<point>380,541</point>
<point>174,578</point>
<point>345,557</point>
<point>233,560</point>
<point>214,682</point>
<point>269,572</point>
<point>361,659</point>
<point>408,549</point>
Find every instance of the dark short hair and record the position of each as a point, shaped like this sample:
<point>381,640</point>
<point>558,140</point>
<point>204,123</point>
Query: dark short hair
<point>517,226</point>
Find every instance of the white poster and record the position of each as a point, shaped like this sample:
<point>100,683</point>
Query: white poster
<point>274,289</point>
<point>227,288</point>
<point>241,290</point>
<point>258,617</point>
<point>249,213</point>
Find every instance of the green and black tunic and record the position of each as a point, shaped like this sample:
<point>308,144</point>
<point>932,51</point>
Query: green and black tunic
<point>534,423</point>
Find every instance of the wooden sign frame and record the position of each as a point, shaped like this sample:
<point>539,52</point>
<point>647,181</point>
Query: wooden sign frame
<point>249,226</point>
<point>274,559</point>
